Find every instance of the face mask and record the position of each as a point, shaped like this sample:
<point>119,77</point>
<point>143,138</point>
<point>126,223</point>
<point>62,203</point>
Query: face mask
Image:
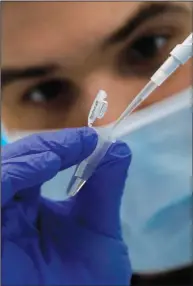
<point>157,202</point>
<point>156,208</point>
<point>3,141</point>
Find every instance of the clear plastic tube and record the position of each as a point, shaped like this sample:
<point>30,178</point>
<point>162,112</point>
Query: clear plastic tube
<point>86,168</point>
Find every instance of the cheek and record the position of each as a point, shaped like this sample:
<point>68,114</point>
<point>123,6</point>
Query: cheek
<point>20,118</point>
<point>182,78</point>
<point>179,81</point>
<point>26,117</point>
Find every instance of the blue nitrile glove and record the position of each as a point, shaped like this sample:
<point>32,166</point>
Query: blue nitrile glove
<point>74,242</point>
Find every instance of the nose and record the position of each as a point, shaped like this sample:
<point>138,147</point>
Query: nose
<point>117,94</point>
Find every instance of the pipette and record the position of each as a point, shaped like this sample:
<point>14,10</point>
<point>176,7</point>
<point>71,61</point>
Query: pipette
<point>178,56</point>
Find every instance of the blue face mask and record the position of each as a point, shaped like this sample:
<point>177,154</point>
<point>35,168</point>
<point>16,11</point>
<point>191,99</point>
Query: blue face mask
<point>157,203</point>
<point>156,208</point>
<point>3,142</point>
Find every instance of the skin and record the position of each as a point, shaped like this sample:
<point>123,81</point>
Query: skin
<point>70,35</point>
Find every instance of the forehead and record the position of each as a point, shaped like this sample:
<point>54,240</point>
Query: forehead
<point>75,15</point>
<point>36,29</point>
<point>59,25</point>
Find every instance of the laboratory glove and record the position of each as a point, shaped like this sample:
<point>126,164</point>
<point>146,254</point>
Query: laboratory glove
<point>73,242</point>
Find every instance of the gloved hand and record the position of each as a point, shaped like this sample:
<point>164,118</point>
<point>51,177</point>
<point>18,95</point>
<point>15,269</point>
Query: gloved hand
<point>74,242</point>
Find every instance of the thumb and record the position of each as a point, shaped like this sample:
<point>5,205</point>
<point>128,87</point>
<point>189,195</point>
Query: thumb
<point>38,158</point>
<point>97,205</point>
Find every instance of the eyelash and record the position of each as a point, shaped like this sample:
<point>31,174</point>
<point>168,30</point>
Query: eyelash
<point>56,91</point>
<point>139,59</point>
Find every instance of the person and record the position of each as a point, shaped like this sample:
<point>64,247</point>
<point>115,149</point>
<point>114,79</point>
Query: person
<point>56,56</point>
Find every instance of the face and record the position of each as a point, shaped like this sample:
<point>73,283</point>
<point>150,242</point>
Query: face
<point>57,55</point>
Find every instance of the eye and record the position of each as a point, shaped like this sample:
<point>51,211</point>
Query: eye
<point>147,47</point>
<point>144,55</point>
<point>50,91</point>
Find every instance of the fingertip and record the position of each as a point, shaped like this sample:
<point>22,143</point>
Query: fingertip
<point>120,149</point>
<point>72,145</point>
<point>119,152</point>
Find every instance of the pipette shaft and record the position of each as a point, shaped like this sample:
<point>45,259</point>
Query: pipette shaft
<point>178,56</point>
<point>144,93</point>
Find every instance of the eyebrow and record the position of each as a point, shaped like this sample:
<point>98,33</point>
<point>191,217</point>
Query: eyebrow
<point>147,11</point>
<point>10,75</point>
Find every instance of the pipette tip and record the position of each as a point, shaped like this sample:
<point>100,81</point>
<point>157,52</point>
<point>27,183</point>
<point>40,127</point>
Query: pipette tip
<point>75,186</point>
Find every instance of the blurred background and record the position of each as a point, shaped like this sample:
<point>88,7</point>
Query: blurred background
<point>57,55</point>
